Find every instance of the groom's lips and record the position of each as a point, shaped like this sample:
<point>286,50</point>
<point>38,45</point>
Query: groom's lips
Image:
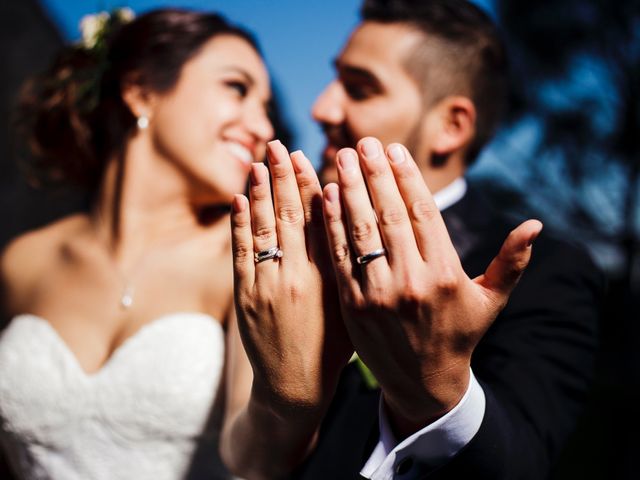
<point>329,154</point>
<point>329,169</point>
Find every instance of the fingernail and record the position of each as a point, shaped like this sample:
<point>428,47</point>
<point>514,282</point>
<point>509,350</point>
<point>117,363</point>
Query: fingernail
<point>239,203</point>
<point>331,193</point>
<point>274,146</point>
<point>297,159</point>
<point>396,154</point>
<point>258,173</point>
<point>348,160</point>
<point>370,148</point>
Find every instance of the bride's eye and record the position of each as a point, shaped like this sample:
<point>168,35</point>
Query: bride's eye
<point>240,87</point>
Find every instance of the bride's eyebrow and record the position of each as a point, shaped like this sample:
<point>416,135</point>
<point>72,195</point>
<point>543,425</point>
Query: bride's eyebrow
<point>242,72</point>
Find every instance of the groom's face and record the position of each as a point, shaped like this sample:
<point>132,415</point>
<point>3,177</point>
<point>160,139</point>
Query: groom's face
<point>373,94</point>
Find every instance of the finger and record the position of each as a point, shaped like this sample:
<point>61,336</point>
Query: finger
<point>263,222</point>
<point>391,212</point>
<point>507,267</point>
<point>288,206</point>
<point>337,238</point>
<point>364,236</point>
<point>430,231</point>
<point>311,198</point>
<point>241,243</point>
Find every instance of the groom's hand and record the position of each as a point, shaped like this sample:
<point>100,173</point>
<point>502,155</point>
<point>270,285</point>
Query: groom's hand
<point>413,314</point>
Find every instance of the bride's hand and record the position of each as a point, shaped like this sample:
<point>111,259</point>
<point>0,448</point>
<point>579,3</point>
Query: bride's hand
<point>287,307</point>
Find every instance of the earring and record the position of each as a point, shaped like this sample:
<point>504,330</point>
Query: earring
<point>143,122</point>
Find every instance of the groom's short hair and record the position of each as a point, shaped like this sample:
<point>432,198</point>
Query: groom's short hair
<point>462,54</point>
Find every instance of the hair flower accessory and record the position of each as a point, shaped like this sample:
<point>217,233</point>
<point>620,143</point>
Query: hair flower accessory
<point>96,30</point>
<point>95,27</point>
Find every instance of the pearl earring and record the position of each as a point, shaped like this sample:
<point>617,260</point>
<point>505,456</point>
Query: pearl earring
<point>143,122</point>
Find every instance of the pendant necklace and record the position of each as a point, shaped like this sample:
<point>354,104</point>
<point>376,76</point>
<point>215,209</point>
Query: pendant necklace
<point>128,291</point>
<point>127,282</point>
<point>126,299</point>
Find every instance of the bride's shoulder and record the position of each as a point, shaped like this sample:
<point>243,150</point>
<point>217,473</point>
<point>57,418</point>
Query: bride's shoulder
<point>31,255</point>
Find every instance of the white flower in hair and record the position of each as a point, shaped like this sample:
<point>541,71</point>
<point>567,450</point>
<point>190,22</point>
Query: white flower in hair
<point>91,27</point>
<point>126,14</point>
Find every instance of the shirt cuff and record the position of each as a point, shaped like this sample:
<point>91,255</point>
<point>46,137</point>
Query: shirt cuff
<point>432,445</point>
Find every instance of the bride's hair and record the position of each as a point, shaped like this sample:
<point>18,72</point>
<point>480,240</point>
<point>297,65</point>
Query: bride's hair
<point>72,117</point>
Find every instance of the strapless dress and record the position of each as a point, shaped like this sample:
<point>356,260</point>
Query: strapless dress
<point>148,413</point>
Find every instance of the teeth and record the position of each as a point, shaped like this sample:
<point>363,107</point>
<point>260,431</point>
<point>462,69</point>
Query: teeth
<point>241,152</point>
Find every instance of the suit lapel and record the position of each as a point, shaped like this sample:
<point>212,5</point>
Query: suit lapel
<point>466,220</point>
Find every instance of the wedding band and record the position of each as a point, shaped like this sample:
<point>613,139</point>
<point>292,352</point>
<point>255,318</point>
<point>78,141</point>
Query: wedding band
<point>367,257</point>
<point>273,252</point>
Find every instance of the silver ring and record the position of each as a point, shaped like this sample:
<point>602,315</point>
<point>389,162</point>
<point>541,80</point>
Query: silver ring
<point>367,257</point>
<point>273,252</point>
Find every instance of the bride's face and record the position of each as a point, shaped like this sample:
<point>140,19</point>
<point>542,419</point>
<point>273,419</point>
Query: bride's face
<point>213,123</point>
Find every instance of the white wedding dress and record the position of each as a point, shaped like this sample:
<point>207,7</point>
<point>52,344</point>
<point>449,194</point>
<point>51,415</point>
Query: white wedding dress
<point>146,414</point>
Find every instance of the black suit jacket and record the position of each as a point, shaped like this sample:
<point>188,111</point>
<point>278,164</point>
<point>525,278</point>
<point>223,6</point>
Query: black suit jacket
<point>535,365</point>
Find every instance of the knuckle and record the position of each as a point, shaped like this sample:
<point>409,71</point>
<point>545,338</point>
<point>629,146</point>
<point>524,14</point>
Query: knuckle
<point>377,297</point>
<point>290,214</point>
<point>313,213</point>
<point>404,173</point>
<point>260,193</point>
<point>361,231</point>
<point>294,291</point>
<point>291,290</point>
<point>517,263</point>
<point>280,172</point>
<point>306,181</point>
<point>340,252</point>
<point>390,216</point>
<point>240,222</point>
<point>244,299</point>
<point>310,216</point>
<point>265,233</point>
<point>351,301</point>
<point>413,292</point>
<point>242,251</point>
<point>447,282</point>
<point>332,218</point>
<point>423,210</point>
<point>375,172</point>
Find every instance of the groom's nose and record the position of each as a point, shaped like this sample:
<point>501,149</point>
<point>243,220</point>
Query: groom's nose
<point>327,108</point>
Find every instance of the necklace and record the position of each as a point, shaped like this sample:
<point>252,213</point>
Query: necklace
<point>126,280</point>
<point>128,291</point>
<point>126,299</point>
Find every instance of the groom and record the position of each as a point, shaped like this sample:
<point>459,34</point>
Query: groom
<point>431,75</point>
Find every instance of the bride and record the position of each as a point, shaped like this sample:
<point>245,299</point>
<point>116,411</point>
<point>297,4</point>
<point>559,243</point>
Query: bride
<point>119,322</point>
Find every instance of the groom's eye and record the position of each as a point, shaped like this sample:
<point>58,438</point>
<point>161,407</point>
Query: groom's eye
<point>358,90</point>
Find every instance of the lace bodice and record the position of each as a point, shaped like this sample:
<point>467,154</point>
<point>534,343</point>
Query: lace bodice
<point>146,414</point>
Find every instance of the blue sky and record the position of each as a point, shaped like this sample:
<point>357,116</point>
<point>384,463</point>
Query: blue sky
<point>299,40</point>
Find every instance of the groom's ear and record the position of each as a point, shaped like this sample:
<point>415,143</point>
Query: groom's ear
<point>450,126</point>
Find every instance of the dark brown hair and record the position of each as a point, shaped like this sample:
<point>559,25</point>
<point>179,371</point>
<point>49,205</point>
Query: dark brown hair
<point>462,54</point>
<point>72,117</point>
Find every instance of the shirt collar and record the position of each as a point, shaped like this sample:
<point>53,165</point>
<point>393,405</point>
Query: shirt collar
<point>451,193</point>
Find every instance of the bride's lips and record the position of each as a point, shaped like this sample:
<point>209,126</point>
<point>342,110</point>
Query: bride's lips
<point>241,152</point>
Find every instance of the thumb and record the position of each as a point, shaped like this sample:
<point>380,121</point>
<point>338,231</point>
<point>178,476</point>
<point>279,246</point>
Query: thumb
<point>505,269</point>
